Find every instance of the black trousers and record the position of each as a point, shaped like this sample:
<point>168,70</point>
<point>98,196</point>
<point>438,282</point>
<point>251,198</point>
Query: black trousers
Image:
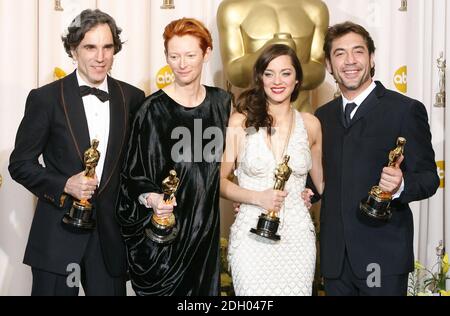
<point>348,284</point>
<point>94,277</point>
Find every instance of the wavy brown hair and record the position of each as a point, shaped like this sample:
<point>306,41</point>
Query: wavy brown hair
<point>253,101</point>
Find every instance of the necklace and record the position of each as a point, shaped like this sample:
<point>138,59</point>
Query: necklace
<point>288,136</point>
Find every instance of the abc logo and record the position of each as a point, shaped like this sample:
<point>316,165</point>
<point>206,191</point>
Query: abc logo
<point>400,79</point>
<point>164,77</point>
<point>440,165</point>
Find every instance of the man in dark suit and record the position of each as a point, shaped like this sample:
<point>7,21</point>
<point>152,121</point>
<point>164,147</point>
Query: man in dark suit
<point>61,119</point>
<point>361,255</point>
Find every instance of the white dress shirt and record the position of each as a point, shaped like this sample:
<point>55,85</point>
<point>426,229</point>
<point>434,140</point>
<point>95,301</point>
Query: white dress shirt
<point>358,100</point>
<point>97,116</point>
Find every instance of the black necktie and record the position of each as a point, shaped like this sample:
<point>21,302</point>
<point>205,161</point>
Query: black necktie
<point>100,94</point>
<point>349,107</point>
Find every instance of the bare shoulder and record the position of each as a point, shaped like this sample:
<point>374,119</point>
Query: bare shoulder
<point>312,123</point>
<point>237,120</point>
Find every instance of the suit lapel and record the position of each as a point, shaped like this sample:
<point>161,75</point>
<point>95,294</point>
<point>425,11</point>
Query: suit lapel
<point>369,103</point>
<point>117,130</point>
<point>340,111</point>
<point>72,104</point>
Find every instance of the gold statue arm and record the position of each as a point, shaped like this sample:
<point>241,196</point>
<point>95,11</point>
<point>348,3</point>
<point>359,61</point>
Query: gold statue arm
<point>313,69</point>
<point>314,73</point>
<point>232,46</point>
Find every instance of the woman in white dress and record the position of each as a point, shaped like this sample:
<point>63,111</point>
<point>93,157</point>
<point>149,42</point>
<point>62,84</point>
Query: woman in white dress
<point>263,129</point>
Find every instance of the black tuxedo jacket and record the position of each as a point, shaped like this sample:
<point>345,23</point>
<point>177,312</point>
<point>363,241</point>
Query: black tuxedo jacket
<point>353,159</point>
<point>55,126</point>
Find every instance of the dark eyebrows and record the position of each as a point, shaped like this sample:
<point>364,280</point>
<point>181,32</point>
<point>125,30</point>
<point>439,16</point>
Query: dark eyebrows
<point>360,47</point>
<point>339,50</point>
<point>284,69</point>
<point>90,46</point>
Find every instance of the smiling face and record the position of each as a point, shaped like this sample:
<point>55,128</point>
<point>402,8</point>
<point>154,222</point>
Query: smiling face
<point>350,64</point>
<point>95,54</point>
<point>186,58</point>
<point>279,80</point>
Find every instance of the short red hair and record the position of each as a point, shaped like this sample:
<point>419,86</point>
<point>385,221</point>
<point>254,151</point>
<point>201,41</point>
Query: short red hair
<point>188,26</point>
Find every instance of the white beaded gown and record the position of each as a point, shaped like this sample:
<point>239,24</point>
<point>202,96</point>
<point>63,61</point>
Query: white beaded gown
<point>260,266</point>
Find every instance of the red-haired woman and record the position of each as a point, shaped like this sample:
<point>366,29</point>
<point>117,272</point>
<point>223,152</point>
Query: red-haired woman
<point>180,127</point>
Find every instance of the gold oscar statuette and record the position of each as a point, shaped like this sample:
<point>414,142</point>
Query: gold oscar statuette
<point>377,204</point>
<point>440,96</point>
<point>168,4</point>
<point>58,6</point>
<point>162,229</point>
<point>268,222</point>
<point>79,218</point>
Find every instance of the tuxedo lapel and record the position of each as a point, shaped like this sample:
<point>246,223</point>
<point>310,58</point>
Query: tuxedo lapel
<point>72,104</point>
<point>117,130</point>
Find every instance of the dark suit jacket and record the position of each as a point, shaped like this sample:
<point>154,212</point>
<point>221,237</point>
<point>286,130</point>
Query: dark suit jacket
<point>55,126</point>
<point>353,159</point>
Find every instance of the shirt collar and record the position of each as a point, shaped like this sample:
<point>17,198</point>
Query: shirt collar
<point>103,86</point>
<point>361,97</point>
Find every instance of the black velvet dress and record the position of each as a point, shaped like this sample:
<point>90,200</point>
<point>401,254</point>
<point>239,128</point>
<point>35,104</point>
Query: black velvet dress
<point>166,135</point>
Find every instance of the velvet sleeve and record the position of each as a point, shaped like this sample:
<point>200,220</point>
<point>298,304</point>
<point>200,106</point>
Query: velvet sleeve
<point>142,169</point>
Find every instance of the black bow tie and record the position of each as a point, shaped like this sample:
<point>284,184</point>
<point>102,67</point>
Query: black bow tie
<point>100,94</point>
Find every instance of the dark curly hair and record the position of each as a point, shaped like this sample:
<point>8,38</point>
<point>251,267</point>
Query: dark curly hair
<point>253,101</point>
<point>83,23</point>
